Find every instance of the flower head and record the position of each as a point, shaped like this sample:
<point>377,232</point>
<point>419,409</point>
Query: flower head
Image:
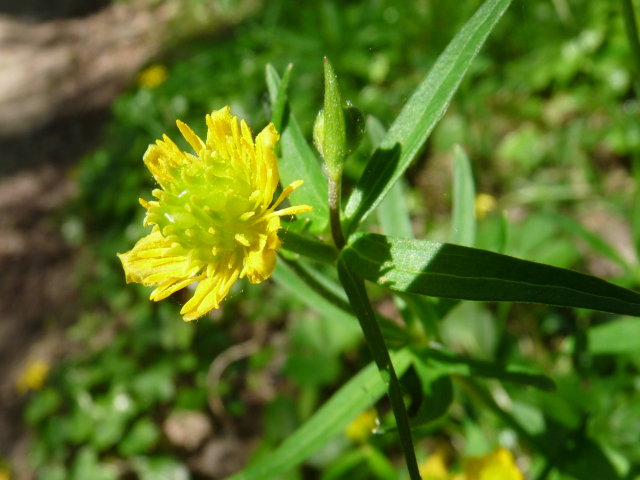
<point>33,376</point>
<point>152,76</point>
<point>496,465</point>
<point>214,219</point>
<point>361,427</point>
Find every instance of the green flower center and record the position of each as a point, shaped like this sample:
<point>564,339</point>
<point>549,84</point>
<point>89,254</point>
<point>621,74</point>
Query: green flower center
<point>210,210</point>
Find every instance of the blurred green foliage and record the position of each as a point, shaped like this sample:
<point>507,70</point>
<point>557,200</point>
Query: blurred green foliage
<point>550,121</point>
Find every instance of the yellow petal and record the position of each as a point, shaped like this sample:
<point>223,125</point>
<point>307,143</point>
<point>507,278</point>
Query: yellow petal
<point>154,258</point>
<point>161,158</point>
<point>295,210</point>
<point>189,135</point>
<point>266,176</point>
<point>209,292</point>
<point>260,263</point>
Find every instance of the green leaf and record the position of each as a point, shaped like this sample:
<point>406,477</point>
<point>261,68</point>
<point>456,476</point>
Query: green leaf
<point>437,394</point>
<point>280,99</point>
<point>440,361</point>
<point>393,213</point>
<point>159,467</point>
<point>86,465</point>
<point>594,241</point>
<point>410,130</point>
<point>42,405</point>
<point>453,271</point>
<point>357,394</point>
<point>141,438</point>
<point>464,200</point>
<point>298,161</point>
<point>614,338</point>
<point>307,246</point>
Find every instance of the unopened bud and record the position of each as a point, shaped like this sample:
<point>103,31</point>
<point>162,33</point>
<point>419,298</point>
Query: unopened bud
<point>354,128</point>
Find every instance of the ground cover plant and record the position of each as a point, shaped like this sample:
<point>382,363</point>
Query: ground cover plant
<point>498,384</point>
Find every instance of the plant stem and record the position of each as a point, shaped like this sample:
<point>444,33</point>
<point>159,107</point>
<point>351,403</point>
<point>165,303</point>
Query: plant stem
<point>355,289</point>
<point>335,190</point>
<point>632,35</point>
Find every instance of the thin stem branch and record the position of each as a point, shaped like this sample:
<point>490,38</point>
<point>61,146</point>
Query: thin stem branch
<point>355,289</point>
<point>335,191</point>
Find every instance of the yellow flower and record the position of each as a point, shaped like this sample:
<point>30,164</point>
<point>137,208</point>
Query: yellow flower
<point>496,465</point>
<point>214,219</point>
<point>152,76</point>
<point>362,426</point>
<point>435,466</point>
<point>484,204</point>
<point>33,376</point>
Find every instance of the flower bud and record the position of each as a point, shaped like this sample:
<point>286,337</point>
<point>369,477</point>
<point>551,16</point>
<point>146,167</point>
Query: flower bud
<point>354,128</point>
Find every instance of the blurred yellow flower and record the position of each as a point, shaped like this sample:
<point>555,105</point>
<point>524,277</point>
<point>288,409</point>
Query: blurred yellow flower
<point>496,465</point>
<point>214,219</point>
<point>32,377</point>
<point>484,204</point>
<point>435,466</point>
<point>361,428</point>
<point>152,76</point>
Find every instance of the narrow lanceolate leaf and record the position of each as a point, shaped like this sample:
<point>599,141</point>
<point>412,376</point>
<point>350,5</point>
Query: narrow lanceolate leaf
<point>297,160</point>
<point>426,106</point>
<point>393,213</point>
<point>594,241</point>
<point>442,362</point>
<point>307,246</point>
<point>359,393</point>
<point>453,271</point>
<point>463,227</point>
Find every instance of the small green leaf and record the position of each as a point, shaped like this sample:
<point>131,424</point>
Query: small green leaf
<point>453,271</point>
<point>464,198</point>
<point>359,393</point>
<point>42,405</point>
<point>437,394</point>
<point>160,467</point>
<point>298,161</point>
<point>141,438</point>
<point>412,127</point>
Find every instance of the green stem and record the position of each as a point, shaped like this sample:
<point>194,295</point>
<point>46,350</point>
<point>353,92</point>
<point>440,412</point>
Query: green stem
<point>632,35</point>
<point>357,294</point>
<point>335,189</point>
